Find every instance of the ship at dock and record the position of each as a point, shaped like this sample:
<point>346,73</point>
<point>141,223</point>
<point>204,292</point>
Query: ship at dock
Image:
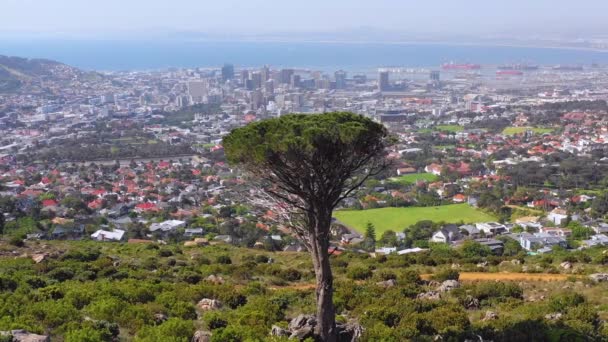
<point>518,67</point>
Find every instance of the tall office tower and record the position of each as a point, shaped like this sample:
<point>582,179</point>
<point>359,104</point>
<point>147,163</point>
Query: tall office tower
<point>383,83</point>
<point>197,91</point>
<point>269,87</point>
<point>227,72</point>
<point>257,100</point>
<point>322,83</point>
<point>256,79</point>
<point>340,79</point>
<point>244,77</point>
<point>435,76</point>
<point>286,75</point>
<point>265,71</point>
<point>295,81</point>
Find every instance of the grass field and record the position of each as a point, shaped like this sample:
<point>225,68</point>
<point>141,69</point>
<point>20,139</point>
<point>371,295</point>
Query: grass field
<point>519,130</point>
<point>413,177</point>
<point>399,218</point>
<point>449,128</point>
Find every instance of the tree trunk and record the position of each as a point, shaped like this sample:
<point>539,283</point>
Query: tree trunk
<point>326,318</point>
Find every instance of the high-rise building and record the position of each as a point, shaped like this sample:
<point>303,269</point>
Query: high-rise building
<point>256,79</point>
<point>286,75</point>
<point>197,91</point>
<point>244,77</point>
<point>269,87</point>
<point>265,72</point>
<point>227,72</point>
<point>295,81</point>
<point>340,79</point>
<point>383,81</point>
<point>435,76</point>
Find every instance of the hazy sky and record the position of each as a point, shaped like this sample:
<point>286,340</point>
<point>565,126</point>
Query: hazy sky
<point>433,16</point>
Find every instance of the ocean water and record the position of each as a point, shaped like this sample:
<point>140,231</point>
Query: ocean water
<point>160,54</point>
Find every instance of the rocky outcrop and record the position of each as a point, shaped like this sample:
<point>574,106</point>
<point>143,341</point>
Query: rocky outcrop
<point>599,277</point>
<point>448,285</point>
<point>207,304</point>
<point>303,327</point>
<point>213,279</point>
<point>159,318</point>
<point>201,336</point>
<point>431,295</point>
<point>278,331</point>
<point>387,283</point>
<point>556,316</point>
<point>24,336</point>
<point>490,316</point>
<point>471,303</point>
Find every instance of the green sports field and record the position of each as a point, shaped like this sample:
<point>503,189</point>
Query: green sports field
<point>397,219</point>
<point>414,177</point>
<point>519,130</point>
<point>449,128</point>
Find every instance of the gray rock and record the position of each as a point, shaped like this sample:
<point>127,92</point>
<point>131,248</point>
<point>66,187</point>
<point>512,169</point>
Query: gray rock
<point>471,303</point>
<point>553,316</point>
<point>159,318</point>
<point>431,295</point>
<point>217,280</point>
<point>448,285</point>
<point>566,265</point>
<point>349,332</point>
<point>302,321</point>
<point>302,333</point>
<point>387,283</point>
<point>24,336</point>
<point>278,331</point>
<point>207,304</point>
<point>490,316</point>
<point>201,336</point>
<point>599,277</point>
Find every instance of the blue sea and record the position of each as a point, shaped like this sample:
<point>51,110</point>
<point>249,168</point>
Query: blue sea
<point>160,54</point>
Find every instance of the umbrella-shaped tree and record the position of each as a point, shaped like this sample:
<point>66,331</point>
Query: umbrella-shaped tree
<point>305,165</point>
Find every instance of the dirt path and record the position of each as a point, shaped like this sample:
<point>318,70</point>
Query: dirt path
<point>465,277</point>
<point>484,276</point>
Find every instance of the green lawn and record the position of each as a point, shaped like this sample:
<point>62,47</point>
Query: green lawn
<point>519,130</point>
<point>413,177</point>
<point>399,218</point>
<point>449,128</point>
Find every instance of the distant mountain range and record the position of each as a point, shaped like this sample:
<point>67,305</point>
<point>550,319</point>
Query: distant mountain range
<point>16,72</point>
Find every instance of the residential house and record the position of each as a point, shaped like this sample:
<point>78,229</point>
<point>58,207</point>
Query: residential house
<point>600,228</point>
<point>558,215</point>
<point>532,242</point>
<point>595,240</point>
<point>449,233</point>
<point>471,229</point>
<point>167,226</point>
<point>104,235</point>
<point>192,232</point>
<point>496,246</point>
<point>386,250</point>
<point>491,228</point>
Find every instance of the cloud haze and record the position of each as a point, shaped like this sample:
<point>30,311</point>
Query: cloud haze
<point>263,16</point>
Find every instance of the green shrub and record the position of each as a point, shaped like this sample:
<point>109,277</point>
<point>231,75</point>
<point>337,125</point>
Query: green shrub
<point>359,273</point>
<point>446,274</point>
<point>223,259</point>
<point>563,301</point>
